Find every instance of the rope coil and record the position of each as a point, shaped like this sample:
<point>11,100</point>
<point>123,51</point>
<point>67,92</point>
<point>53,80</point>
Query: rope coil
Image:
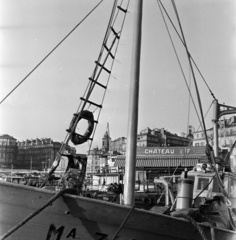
<point>196,225</point>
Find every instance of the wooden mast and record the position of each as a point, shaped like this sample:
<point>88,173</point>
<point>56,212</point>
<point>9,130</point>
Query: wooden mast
<point>215,127</point>
<point>130,164</point>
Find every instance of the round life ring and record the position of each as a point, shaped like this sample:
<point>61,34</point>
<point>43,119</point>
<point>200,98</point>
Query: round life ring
<point>77,138</point>
<point>148,201</point>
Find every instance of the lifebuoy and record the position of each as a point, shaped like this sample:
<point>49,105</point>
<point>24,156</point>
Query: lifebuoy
<point>148,201</point>
<point>77,138</point>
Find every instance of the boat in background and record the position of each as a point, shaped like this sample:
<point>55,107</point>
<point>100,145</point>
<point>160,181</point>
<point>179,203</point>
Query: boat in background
<point>40,213</point>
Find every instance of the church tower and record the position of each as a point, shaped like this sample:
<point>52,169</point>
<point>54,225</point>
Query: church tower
<point>106,140</point>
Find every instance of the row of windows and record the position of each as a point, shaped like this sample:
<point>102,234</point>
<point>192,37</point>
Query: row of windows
<point>222,134</point>
<point>7,147</point>
<point>7,150</point>
<point>152,139</point>
<point>230,132</point>
<point>177,142</point>
<point>35,150</point>
<point>147,145</point>
<point>11,143</point>
<point>200,144</point>
<point>230,142</point>
<point>34,158</point>
<point>6,158</point>
<point>6,154</point>
<point>148,138</point>
<point>199,135</point>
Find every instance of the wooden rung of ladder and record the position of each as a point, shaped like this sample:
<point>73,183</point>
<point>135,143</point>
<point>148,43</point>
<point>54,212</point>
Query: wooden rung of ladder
<point>122,9</point>
<point>95,104</point>
<point>109,52</point>
<point>97,83</point>
<point>116,34</point>
<point>102,67</point>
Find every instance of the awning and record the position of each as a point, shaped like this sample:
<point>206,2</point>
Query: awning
<point>163,161</point>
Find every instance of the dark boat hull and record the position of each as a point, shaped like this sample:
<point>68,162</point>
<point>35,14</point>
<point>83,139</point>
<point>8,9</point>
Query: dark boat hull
<point>75,217</point>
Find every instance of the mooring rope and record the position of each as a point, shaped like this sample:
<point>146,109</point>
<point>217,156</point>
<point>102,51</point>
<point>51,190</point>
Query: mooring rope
<point>196,225</point>
<point>49,202</point>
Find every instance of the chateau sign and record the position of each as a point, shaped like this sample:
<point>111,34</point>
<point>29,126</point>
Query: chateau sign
<point>171,151</point>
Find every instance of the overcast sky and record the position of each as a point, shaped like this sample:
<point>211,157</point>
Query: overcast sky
<point>44,104</point>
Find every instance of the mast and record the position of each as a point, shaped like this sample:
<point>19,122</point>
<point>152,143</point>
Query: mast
<point>130,164</point>
<point>215,127</point>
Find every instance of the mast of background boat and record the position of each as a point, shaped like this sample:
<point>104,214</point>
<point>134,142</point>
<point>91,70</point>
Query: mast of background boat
<point>130,164</point>
<point>215,127</point>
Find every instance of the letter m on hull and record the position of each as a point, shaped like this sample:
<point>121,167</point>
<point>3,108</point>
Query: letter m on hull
<point>52,230</point>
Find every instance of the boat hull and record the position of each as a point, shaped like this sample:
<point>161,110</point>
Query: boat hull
<point>75,217</point>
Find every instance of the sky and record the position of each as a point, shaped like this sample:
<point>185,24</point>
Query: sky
<point>43,105</point>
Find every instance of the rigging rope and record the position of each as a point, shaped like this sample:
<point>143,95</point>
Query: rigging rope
<point>200,125</point>
<point>114,58</point>
<point>108,31</point>
<point>189,101</point>
<point>49,54</point>
<point>123,223</point>
<point>227,157</point>
<point>184,46</point>
<point>88,90</point>
<point>206,186</point>
<point>190,94</point>
<point>190,63</point>
<point>24,221</point>
<point>211,154</point>
<point>96,75</point>
<point>91,84</point>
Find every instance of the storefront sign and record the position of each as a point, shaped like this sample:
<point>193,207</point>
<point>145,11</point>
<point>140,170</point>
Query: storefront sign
<point>171,151</point>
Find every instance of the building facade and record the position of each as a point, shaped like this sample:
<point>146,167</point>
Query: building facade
<point>199,138</point>
<point>115,154</point>
<point>153,138</point>
<point>118,145</point>
<point>226,134</point>
<point>93,160</point>
<point>148,138</point>
<point>226,139</point>
<point>160,138</point>
<point>38,154</point>
<point>8,151</point>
